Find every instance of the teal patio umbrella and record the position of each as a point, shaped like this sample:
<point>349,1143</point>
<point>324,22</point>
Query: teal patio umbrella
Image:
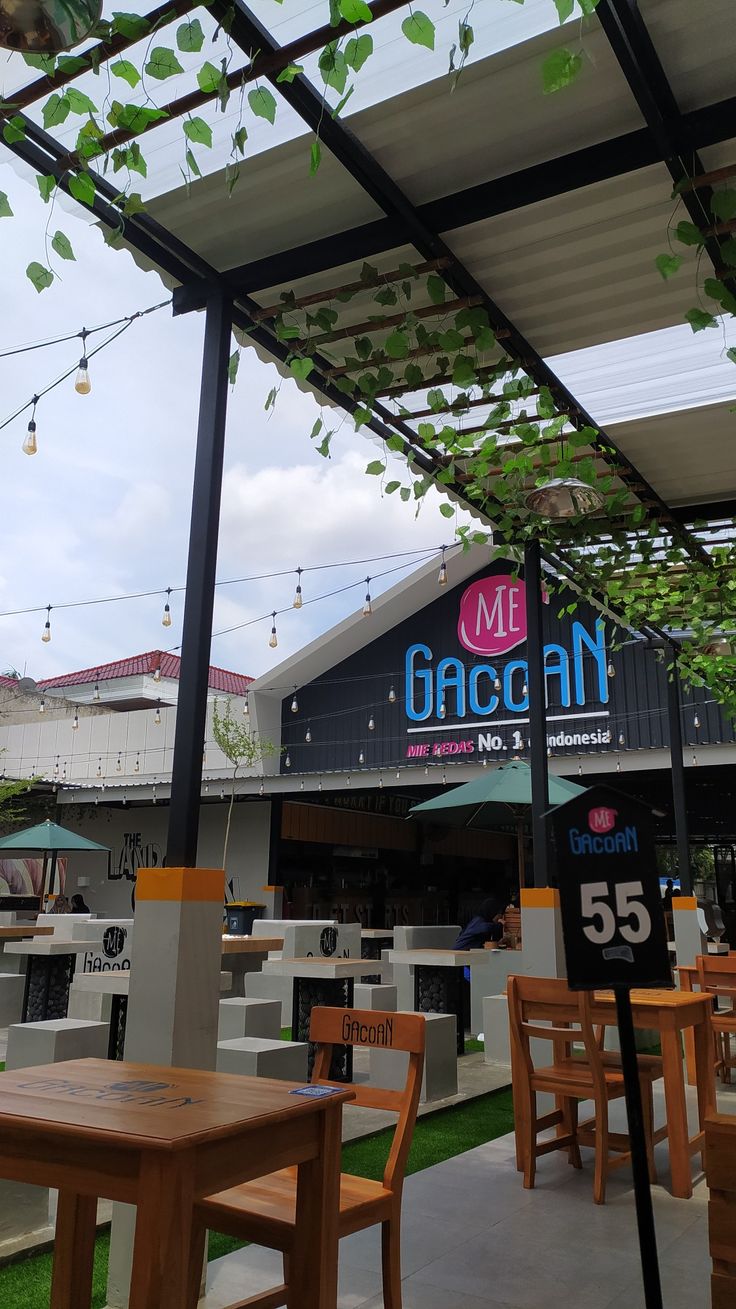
<point>49,839</point>
<point>499,797</point>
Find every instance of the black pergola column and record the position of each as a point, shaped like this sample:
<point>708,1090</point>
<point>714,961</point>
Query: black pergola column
<point>537,710</point>
<point>186,778</point>
<point>679,795</point>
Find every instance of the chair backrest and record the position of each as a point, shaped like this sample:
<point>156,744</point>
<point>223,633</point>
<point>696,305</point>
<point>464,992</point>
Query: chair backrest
<point>377,1029</point>
<point>536,1001</point>
<point>717,974</point>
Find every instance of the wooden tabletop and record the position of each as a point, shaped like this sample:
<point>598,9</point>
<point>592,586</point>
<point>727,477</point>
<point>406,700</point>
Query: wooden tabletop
<point>251,944</point>
<point>316,966</point>
<point>17,933</point>
<point>656,998</point>
<point>144,1105</point>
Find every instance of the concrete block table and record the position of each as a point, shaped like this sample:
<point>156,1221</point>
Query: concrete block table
<point>241,1016</point>
<point>438,981</point>
<point>11,963</point>
<point>254,1056</point>
<point>108,993</point>
<point>439,1079</point>
<point>372,941</point>
<point>321,982</point>
<point>12,987</point>
<point>52,1042</point>
<point>380,996</point>
<point>49,971</point>
<point>246,954</point>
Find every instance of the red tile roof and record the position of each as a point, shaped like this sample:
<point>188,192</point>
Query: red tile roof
<point>219,679</point>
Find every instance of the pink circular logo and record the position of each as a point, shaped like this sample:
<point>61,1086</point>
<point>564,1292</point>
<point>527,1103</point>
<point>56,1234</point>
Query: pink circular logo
<point>492,616</point>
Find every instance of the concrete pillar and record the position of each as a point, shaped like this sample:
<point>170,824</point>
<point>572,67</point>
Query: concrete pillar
<point>542,953</point>
<point>690,941</point>
<point>173,1002</point>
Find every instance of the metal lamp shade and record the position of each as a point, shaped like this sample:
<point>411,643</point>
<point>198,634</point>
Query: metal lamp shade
<point>721,646</point>
<point>564,497</point>
<point>46,27</point>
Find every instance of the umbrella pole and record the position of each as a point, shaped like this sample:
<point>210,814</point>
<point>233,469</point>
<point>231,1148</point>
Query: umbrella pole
<point>52,874</point>
<point>521,854</point>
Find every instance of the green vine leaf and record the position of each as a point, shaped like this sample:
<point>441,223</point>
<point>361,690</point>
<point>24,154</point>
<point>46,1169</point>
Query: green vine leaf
<point>63,246</point>
<point>731,354</point>
<point>723,204</point>
<point>208,78</point>
<point>436,289</point>
<point>354,11</point>
<point>315,157</point>
<point>564,9</point>
<point>357,50</point>
<point>71,64</point>
<point>79,103</point>
<point>130,26</point>
<point>133,118</point>
<point>263,103</point>
<point>419,29</point>
<point>40,276</point>
<point>55,111</point>
<point>82,188</point>
<point>46,187</point>
<point>699,319</point>
<point>559,69</point>
<point>333,67</point>
<point>301,367</point>
<point>233,364</point>
<point>44,63</point>
<point>190,37</point>
<point>668,265</point>
<point>447,510</point>
<point>163,63</point>
<point>376,468</point>
<point>289,73</point>
<point>396,345</point>
<point>5,209</point>
<point>689,234</point>
<point>14,130</point>
<point>198,131</point>
<point>390,487</point>
<point>239,139</point>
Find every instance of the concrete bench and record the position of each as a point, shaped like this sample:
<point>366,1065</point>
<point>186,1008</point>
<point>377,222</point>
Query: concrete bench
<point>54,1040</point>
<point>11,998</point>
<point>388,1067</point>
<point>374,995</point>
<point>252,1056</point>
<point>243,1016</point>
<point>267,986</point>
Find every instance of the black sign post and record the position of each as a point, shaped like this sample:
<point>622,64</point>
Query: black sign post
<point>614,934</point>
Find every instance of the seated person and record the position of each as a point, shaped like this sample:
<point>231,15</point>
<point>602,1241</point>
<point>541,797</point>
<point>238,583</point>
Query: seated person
<point>487,925</point>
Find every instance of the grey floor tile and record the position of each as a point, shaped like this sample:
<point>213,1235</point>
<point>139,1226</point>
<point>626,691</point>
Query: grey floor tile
<point>421,1295</point>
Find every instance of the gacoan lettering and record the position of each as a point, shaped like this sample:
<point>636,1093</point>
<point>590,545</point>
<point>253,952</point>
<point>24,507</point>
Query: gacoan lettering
<point>576,676</point>
<point>357,1033</point>
<point>625,842</point>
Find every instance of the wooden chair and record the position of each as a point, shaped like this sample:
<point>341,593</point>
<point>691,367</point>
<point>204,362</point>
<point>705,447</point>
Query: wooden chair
<point>534,1001</point>
<point>717,975</point>
<point>263,1211</point>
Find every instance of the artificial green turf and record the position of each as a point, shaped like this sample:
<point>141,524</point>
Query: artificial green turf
<point>26,1284</point>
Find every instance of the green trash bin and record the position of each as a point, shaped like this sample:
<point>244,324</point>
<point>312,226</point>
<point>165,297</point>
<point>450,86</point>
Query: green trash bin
<point>241,914</point>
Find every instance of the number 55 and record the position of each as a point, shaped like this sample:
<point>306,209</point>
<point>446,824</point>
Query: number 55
<point>594,904</point>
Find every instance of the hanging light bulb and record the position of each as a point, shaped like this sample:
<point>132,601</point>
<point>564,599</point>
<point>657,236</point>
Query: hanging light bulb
<point>367,606</point>
<point>166,620</point>
<point>371,724</point>
<point>618,765</point>
<point>261,789</point>
<point>153,794</point>
<point>695,761</point>
<point>125,801</point>
<point>308,734</point>
<point>137,764</point>
<point>46,634</point>
<point>696,722</point>
<point>442,711</point>
<point>497,684</point>
<point>246,706</point>
<point>56,767</point>
<point>426,771</point>
<point>361,758</point>
<point>301,785</point>
<point>485,762</point>
<point>319,784</point>
<point>295,704</point>
<point>97,797</point>
<point>42,706</point>
<point>82,384</point>
<point>347,780</point>
<point>398,775</point>
<point>157,673</point>
<point>444,778</point>
<point>525,690</point>
<point>442,574</point>
<point>206,788</point>
<point>392,696</point>
<point>549,751</point>
<point>298,602</point>
<point>380,783</point>
<point>580,767</point>
<point>157,715</point>
<point>30,444</point>
<point>75,720</point>
<point>287,761</point>
<point>41,28</point>
<point>119,765</point>
<point>621,739</point>
<point>63,772</point>
<point>96,692</point>
<point>222,793</point>
<point>99,767</point>
<point>273,640</point>
<point>611,671</point>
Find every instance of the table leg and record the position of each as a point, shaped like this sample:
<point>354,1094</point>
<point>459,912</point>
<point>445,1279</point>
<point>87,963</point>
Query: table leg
<point>74,1249</point>
<point>686,984</point>
<point>440,991</point>
<point>160,1274</point>
<point>705,1078</point>
<point>313,1263</point>
<point>678,1133</point>
<point>310,991</point>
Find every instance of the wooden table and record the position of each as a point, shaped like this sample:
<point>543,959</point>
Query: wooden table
<point>251,944</point>
<point>672,1013</point>
<point>162,1138</point>
<point>18,933</point>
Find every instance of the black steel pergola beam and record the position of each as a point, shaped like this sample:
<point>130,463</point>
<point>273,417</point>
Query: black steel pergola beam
<point>528,186</point>
<point>640,64</point>
<point>250,35</point>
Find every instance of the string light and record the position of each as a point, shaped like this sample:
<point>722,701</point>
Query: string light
<point>75,720</point>
<point>157,715</point>
<point>157,673</point>
<point>380,782</point>
<point>137,764</point>
<point>347,780</point>
<point>56,767</point>
<point>119,765</point>
<point>96,692</point>
<point>46,634</point>
<point>301,785</point>
<point>367,606</point>
<point>442,574</point>
<point>42,706</point>
<point>392,696</point>
<point>695,760</point>
<point>497,684</point>
<point>295,704</point>
<point>308,734</point>
<point>153,794</point>
<point>696,722</point>
<point>361,758</point>
<point>287,761</point>
<point>261,788</point>
<point>297,602</point>
<point>444,778</point>
<point>246,706</point>
<point>618,765</point>
<point>621,739</point>
<point>99,767</point>
<point>398,775</point>
<point>549,752</point>
<point>485,764</point>
<point>611,671</point>
<point>273,640</point>
<point>525,690</point>
<point>30,444</point>
<point>580,767</point>
<point>319,784</point>
<point>442,711</point>
<point>371,724</point>
<point>63,772</point>
<point>166,619</point>
<point>82,384</point>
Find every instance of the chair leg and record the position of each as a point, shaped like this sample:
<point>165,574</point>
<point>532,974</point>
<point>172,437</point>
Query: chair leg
<point>601,1153</point>
<point>647,1100</point>
<point>287,1263</point>
<point>570,1121</point>
<point>196,1263</point>
<point>391,1262</point>
<point>529,1153</point>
